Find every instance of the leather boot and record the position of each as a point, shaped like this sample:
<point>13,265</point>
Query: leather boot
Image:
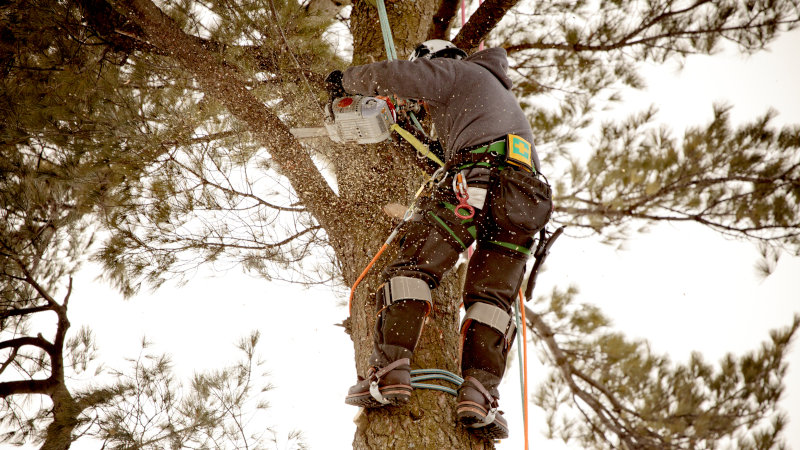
<point>478,407</point>
<point>390,385</point>
<point>388,380</point>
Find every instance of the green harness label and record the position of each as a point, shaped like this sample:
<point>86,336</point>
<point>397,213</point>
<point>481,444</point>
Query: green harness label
<point>518,152</point>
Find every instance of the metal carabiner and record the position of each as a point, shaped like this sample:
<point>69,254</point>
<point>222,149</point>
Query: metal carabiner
<point>460,189</point>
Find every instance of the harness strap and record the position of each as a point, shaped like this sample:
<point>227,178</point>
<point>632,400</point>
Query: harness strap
<point>493,317</point>
<point>399,289</point>
<point>492,152</point>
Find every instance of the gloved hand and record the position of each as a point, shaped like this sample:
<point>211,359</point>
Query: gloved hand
<point>333,83</point>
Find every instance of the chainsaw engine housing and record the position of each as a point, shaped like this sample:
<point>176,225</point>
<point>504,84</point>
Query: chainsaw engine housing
<point>359,119</point>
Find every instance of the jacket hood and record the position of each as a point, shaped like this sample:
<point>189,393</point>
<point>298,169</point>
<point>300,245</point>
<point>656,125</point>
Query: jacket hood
<point>495,61</point>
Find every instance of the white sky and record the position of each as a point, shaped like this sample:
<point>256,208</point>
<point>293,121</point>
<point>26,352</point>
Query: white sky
<point>683,288</point>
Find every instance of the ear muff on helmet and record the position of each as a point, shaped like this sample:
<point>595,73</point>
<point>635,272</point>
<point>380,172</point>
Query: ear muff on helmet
<point>437,48</point>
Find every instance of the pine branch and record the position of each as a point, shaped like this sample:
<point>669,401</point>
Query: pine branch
<point>218,82</point>
<point>608,418</point>
<point>638,37</point>
<point>24,311</point>
<point>37,341</point>
<point>9,388</point>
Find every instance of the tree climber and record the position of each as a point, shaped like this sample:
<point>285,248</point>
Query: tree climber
<point>492,170</point>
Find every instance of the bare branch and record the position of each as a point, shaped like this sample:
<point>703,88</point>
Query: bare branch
<point>27,387</point>
<point>442,19</point>
<point>26,311</point>
<point>249,195</point>
<point>487,16</point>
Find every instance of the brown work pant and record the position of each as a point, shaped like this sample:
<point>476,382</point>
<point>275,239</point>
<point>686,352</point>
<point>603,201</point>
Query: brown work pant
<point>517,206</point>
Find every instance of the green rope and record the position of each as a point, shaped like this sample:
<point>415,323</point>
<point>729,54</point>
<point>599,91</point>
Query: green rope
<point>417,376</point>
<point>386,30</point>
<point>416,123</point>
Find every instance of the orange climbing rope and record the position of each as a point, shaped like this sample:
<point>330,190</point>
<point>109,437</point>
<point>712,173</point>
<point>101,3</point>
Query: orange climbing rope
<point>524,363</point>
<point>364,273</point>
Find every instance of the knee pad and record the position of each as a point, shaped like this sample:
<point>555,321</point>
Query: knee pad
<point>493,317</point>
<point>486,336</point>
<point>402,304</point>
<point>399,289</point>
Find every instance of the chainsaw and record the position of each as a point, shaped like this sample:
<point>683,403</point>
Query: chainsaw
<point>354,119</point>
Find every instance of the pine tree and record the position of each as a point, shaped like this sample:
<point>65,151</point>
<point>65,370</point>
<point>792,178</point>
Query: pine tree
<point>228,180</point>
<point>68,142</point>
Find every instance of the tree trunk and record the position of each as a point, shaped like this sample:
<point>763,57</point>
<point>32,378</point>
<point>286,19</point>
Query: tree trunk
<point>65,419</point>
<point>382,176</point>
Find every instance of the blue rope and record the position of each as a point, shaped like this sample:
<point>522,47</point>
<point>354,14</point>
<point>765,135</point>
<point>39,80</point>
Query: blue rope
<point>435,387</point>
<point>386,30</point>
<point>435,374</point>
<point>455,379</point>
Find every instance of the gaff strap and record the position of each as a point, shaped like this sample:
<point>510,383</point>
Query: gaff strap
<point>492,316</point>
<point>398,289</point>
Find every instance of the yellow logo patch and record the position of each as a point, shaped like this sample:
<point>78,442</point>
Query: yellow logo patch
<point>519,152</point>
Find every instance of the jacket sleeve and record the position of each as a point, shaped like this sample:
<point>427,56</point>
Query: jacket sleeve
<point>423,79</point>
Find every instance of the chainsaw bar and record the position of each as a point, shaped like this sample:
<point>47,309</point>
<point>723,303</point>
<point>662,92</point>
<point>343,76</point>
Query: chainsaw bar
<point>309,132</point>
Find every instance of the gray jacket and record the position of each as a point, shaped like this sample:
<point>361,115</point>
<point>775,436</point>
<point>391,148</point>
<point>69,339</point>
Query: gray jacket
<point>470,100</point>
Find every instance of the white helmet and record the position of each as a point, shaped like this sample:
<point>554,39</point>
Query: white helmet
<point>437,48</point>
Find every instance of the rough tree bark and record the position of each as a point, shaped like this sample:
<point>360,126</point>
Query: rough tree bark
<point>428,421</point>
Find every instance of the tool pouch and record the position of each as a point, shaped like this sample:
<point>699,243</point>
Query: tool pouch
<point>520,202</point>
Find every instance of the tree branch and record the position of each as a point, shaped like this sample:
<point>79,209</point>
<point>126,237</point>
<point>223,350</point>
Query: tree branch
<point>487,16</point>
<point>10,359</point>
<point>538,325</point>
<point>627,40</point>
<point>26,311</point>
<point>442,19</point>
<point>37,341</point>
<point>27,387</point>
<point>253,197</point>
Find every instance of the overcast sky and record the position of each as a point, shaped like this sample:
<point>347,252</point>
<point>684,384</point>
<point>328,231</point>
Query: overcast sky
<point>684,288</point>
